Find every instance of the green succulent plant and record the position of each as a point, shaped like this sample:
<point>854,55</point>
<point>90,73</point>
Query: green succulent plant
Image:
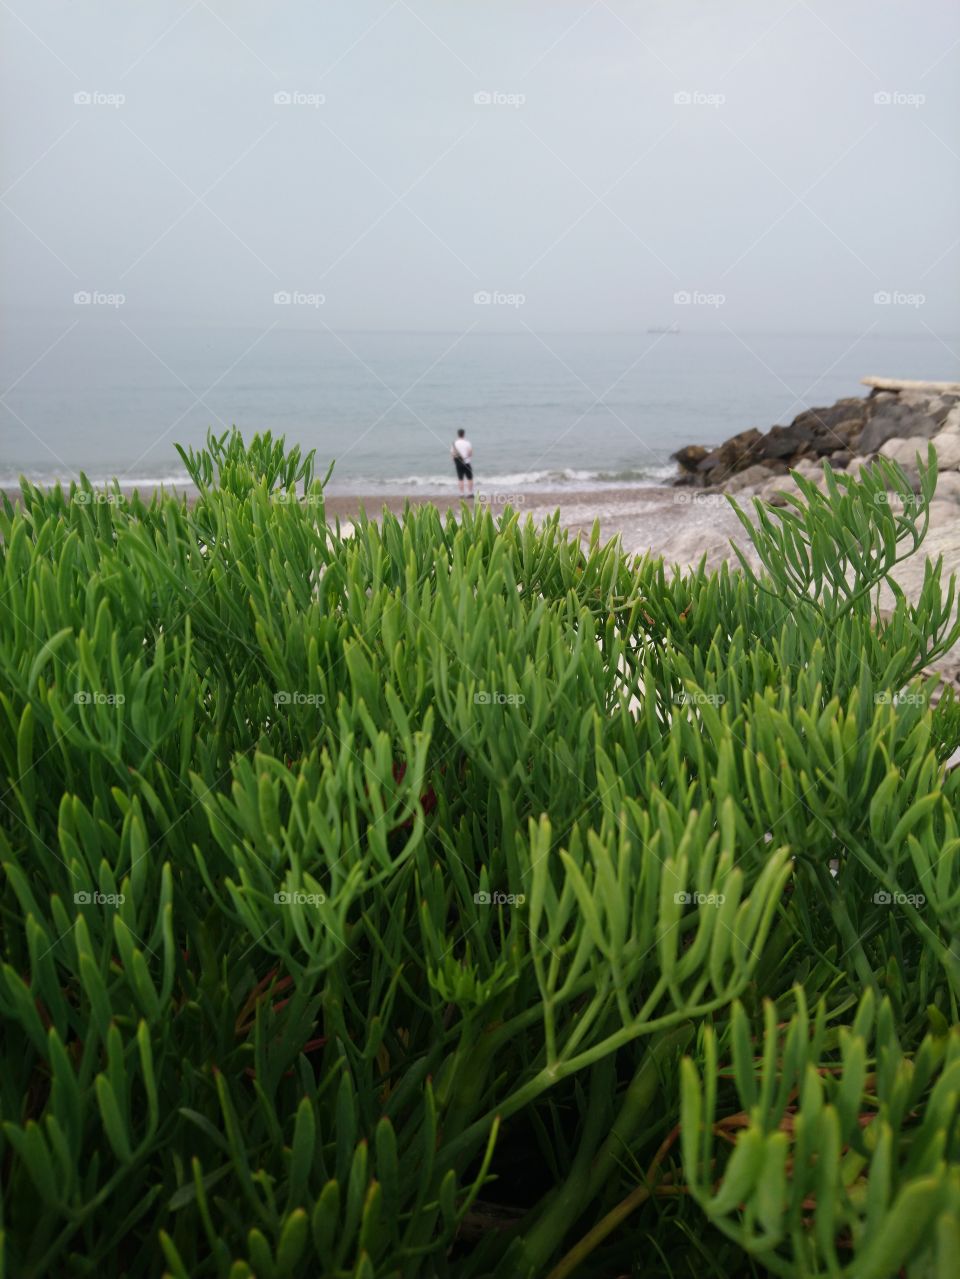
<point>417,899</point>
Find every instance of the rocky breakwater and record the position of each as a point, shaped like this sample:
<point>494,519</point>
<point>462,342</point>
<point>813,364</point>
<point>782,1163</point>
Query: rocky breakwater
<point>896,420</point>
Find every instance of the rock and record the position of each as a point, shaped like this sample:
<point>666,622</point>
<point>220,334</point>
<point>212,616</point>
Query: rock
<point>733,455</point>
<point>902,451</point>
<point>783,442</point>
<point>899,421</point>
<point>857,463</point>
<point>948,487</point>
<point>689,458</point>
<point>753,477</point>
<point>848,430</point>
<point>848,433</point>
<point>943,514</point>
<point>808,468</point>
<point>912,474</point>
<point>947,444</point>
<point>739,451</point>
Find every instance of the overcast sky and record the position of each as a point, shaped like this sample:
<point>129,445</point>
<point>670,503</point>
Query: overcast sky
<point>599,160</point>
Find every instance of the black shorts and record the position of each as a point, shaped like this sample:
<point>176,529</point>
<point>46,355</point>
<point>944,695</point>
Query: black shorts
<point>464,469</point>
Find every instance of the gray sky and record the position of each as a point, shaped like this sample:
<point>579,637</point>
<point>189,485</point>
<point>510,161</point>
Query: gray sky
<point>781,196</point>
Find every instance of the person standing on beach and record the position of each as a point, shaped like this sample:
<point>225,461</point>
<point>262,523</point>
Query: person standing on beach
<point>462,454</point>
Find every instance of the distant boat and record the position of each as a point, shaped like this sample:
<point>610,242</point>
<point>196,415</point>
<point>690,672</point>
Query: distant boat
<point>666,328</point>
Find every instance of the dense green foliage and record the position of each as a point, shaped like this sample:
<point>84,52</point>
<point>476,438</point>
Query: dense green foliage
<point>449,899</point>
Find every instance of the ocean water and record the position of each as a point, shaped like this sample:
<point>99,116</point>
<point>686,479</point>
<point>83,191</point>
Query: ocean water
<point>111,396</point>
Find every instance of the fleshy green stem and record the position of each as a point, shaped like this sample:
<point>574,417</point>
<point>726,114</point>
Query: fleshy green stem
<point>582,1186</point>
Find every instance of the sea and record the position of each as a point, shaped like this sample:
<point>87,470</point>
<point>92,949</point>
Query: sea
<point>551,411</point>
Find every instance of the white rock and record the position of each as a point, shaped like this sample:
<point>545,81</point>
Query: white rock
<point>749,479</point>
<point>943,513</point>
<point>808,467</point>
<point>947,444</point>
<point>855,466</point>
<point>903,451</point>
<point>948,487</point>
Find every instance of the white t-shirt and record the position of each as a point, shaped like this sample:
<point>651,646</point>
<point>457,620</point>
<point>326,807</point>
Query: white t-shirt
<point>463,448</point>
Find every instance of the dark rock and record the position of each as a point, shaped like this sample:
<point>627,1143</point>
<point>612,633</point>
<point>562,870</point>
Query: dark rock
<point>733,455</point>
<point>897,421</point>
<point>826,420</point>
<point>851,428</point>
<point>783,442</point>
<point>848,430</point>
<point>688,458</point>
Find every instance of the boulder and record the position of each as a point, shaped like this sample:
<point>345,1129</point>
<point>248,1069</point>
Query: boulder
<point>840,460</point>
<point>947,444</point>
<point>733,455</point>
<point>898,421</point>
<point>857,463</point>
<point>816,432</point>
<point>943,513</point>
<point>690,457</point>
<point>809,469</point>
<point>752,477</point>
<point>847,431</point>
<point>948,487</point>
<point>775,496</point>
<point>784,442</point>
<point>902,451</point>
